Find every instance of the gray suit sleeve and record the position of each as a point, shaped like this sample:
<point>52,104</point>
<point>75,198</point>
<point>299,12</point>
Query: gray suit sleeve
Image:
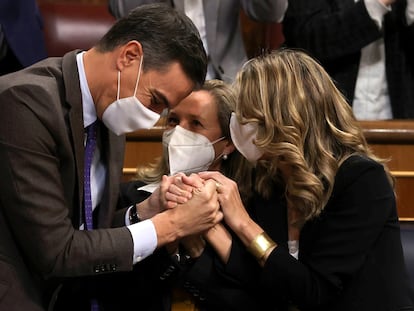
<point>120,8</point>
<point>265,10</point>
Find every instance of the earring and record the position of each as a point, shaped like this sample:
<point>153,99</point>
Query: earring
<point>225,157</point>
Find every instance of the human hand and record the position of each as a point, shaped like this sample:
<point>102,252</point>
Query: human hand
<point>387,2</point>
<point>200,213</point>
<point>229,198</point>
<point>173,191</point>
<point>180,189</point>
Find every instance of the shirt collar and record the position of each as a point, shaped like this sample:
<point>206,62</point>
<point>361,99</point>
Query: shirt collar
<point>89,111</point>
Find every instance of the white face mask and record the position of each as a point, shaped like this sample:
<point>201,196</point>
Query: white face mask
<point>128,114</point>
<point>188,152</point>
<point>243,136</point>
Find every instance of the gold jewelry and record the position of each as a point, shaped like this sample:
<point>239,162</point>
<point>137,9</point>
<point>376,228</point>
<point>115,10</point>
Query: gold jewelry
<point>260,245</point>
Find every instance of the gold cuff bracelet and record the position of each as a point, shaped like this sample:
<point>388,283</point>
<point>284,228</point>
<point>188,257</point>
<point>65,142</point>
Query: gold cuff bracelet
<point>260,245</point>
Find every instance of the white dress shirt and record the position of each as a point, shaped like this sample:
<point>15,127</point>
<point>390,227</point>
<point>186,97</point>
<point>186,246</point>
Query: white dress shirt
<point>371,98</point>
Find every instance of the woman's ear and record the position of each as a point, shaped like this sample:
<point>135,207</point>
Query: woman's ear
<point>229,148</point>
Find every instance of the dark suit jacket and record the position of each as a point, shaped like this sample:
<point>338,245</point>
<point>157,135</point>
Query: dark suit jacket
<point>41,188</point>
<point>224,36</point>
<point>350,258</point>
<point>335,31</point>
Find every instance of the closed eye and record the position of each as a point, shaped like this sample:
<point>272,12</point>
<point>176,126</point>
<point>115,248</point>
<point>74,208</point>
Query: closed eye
<point>172,121</point>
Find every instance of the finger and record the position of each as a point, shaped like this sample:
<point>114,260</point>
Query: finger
<point>219,217</point>
<point>217,176</point>
<point>171,204</point>
<point>179,183</point>
<point>210,175</point>
<point>210,185</point>
<point>171,197</point>
<point>165,183</point>
<point>178,191</point>
<point>193,180</point>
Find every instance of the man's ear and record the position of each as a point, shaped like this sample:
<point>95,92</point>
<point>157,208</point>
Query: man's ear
<point>129,54</point>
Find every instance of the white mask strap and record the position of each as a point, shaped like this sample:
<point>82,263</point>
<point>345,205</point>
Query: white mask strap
<point>139,75</point>
<point>136,83</point>
<point>217,140</point>
<point>119,85</point>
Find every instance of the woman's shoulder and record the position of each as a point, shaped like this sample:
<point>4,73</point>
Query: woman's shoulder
<point>360,168</point>
<point>359,162</point>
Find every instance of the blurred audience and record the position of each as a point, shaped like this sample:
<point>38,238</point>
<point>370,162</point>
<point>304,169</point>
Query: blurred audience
<point>21,35</point>
<point>367,46</point>
<point>219,25</point>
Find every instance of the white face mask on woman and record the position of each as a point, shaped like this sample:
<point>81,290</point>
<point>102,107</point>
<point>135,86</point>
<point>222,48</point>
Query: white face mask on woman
<point>128,114</point>
<point>243,136</point>
<point>188,152</point>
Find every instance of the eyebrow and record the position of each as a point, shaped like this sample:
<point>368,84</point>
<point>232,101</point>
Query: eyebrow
<point>161,97</point>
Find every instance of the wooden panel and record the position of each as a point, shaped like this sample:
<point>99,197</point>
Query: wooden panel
<point>142,148</point>
<point>395,140</point>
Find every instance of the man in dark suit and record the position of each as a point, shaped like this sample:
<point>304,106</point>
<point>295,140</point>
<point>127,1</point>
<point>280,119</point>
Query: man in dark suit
<point>367,46</point>
<point>222,29</point>
<point>21,35</point>
<point>145,63</point>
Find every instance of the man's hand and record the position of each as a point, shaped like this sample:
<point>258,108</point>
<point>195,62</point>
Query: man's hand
<point>387,2</point>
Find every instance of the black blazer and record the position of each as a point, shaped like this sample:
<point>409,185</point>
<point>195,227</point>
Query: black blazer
<point>350,258</point>
<point>335,31</point>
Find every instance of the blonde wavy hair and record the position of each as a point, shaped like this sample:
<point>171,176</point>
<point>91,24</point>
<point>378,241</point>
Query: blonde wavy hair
<point>235,167</point>
<point>305,126</point>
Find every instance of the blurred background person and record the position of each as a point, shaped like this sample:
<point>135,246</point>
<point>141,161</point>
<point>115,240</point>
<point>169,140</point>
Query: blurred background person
<point>21,35</point>
<point>219,25</point>
<point>367,46</point>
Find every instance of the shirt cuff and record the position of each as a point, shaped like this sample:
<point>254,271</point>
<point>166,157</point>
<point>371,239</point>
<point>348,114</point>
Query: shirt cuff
<point>127,222</point>
<point>377,10</point>
<point>144,237</point>
<point>409,12</point>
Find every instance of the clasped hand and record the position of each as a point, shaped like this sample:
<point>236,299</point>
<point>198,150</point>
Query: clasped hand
<point>183,187</point>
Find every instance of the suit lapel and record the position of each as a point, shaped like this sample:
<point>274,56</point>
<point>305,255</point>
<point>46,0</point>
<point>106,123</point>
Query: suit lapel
<point>112,149</point>
<point>76,130</point>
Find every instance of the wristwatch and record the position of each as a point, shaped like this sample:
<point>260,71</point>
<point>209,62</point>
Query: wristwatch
<point>133,215</point>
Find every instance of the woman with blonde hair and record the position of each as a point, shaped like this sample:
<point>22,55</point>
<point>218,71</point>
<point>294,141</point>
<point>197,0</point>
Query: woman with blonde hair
<point>196,138</point>
<point>322,230</point>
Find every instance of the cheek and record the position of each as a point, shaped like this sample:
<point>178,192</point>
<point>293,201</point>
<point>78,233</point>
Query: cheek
<point>218,148</point>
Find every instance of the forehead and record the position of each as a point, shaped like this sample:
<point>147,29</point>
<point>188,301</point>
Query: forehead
<point>197,104</point>
<point>172,83</point>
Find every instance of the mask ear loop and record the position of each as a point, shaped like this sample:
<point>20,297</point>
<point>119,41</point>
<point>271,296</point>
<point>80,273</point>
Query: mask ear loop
<point>119,85</point>
<point>217,140</point>
<point>222,154</point>
<point>139,75</point>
